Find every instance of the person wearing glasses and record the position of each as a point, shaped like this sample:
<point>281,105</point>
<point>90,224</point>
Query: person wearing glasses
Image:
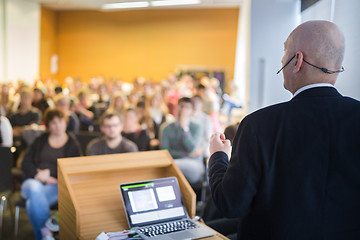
<point>294,166</point>
<point>111,125</point>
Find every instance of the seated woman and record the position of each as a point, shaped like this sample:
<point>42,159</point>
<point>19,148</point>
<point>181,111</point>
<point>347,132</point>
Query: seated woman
<point>134,132</point>
<point>64,103</point>
<point>40,188</point>
<point>117,103</point>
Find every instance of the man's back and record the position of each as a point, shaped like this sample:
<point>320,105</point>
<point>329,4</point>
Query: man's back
<point>298,177</point>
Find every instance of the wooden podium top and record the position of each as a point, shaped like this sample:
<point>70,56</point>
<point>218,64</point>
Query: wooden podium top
<point>89,193</point>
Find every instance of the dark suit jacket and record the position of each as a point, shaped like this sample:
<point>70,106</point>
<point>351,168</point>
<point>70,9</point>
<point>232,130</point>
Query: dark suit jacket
<point>295,170</point>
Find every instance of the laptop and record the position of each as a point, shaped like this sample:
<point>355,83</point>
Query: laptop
<point>154,209</point>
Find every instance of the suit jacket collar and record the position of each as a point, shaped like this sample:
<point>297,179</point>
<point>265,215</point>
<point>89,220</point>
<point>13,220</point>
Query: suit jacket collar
<point>318,92</point>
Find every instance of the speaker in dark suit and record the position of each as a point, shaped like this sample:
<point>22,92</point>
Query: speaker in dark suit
<point>294,171</point>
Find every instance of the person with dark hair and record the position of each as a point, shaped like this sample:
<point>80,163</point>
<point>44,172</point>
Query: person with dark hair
<point>58,90</point>
<point>111,125</point>
<point>40,188</point>
<point>133,131</point>
<point>39,100</point>
<point>230,132</point>
<point>294,166</point>
<point>184,142</point>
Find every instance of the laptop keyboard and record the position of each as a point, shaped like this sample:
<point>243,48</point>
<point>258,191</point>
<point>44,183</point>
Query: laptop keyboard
<point>166,228</point>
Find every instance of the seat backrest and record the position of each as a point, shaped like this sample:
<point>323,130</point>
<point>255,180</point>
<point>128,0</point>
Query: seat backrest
<point>85,137</point>
<point>5,168</point>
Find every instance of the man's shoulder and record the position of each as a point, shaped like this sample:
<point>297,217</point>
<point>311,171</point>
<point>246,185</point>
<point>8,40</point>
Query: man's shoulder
<point>351,101</point>
<point>268,111</point>
<point>96,146</point>
<point>128,146</point>
<point>97,142</point>
<point>170,126</point>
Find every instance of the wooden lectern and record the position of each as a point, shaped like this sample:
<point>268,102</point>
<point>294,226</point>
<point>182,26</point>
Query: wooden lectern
<point>89,194</point>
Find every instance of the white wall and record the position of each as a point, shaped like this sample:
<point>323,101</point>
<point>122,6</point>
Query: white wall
<point>322,10</point>
<point>22,40</point>
<point>241,69</point>
<point>345,15</point>
<point>271,23</point>
<point>2,46</point>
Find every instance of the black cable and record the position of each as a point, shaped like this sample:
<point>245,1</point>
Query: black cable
<point>325,70</point>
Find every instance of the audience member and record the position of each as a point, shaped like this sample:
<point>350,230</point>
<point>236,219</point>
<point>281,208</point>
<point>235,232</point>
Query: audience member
<point>159,114</point>
<point>6,134</point>
<point>85,112</point>
<point>132,99</point>
<point>184,142</point>
<point>103,101</point>
<point>39,100</point>
<point>143,115</point>
<point>58,90</point>
<point>63,102</point>
<point>211,102</point>
<point>111,125</point>
<point>40,169</point>
<point>26,114</point>
<point>117,103</point>
<point>204,121</point>
<point>5,100</point>
<point>133,131</point>
<point>294,169</point>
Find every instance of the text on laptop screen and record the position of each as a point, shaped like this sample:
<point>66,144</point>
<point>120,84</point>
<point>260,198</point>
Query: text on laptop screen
<point>152,201</point>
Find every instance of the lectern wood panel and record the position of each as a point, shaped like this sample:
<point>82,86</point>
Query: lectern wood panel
<point>89,194</point>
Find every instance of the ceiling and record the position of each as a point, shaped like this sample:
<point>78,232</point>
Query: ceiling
<point>96,4</point>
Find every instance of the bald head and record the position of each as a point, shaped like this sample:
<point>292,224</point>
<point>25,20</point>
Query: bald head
<point>320,43</point>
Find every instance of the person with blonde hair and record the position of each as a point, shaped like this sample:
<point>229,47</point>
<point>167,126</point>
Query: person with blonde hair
<point>64,103</point>
<point>117,103</point>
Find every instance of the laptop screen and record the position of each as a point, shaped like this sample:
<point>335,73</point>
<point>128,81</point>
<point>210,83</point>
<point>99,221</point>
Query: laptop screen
<point>152,201</point>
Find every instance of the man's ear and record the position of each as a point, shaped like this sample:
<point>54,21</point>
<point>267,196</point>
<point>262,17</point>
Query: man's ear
<point>299,57</point>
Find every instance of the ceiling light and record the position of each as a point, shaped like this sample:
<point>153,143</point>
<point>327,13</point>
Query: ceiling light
<point>173,2</point>
<point>125,5</point>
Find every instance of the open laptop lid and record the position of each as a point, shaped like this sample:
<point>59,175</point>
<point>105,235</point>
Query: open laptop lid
<point>152,201</point>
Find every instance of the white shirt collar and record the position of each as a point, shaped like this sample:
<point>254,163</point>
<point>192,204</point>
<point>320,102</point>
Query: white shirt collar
<point>312,86</point>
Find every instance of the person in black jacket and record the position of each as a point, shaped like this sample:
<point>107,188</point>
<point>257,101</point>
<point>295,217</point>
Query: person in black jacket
<point>40,168</point>
<point>294,166</point>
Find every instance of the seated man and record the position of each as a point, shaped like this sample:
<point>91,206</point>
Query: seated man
<point>26,114</point>
<point>111,125</point>
<point>183,140</point>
